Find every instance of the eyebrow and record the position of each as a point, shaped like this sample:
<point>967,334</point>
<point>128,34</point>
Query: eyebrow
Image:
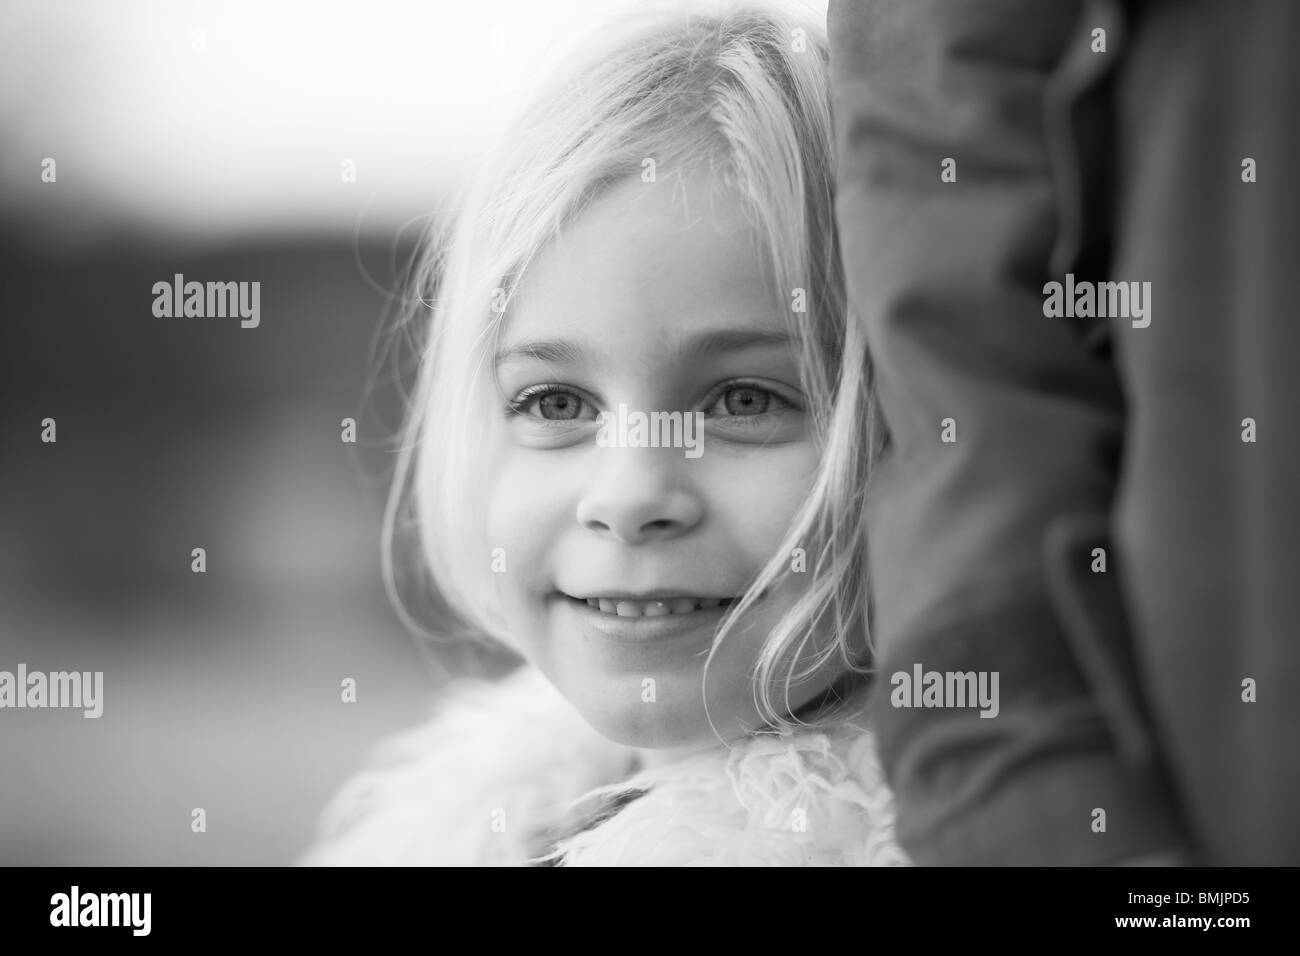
<point>703,343</point>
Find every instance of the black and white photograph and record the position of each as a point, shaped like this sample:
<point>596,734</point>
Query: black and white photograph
<point>650,433</point>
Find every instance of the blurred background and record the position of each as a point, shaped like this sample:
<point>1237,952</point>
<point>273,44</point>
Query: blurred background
<point>303,146</point>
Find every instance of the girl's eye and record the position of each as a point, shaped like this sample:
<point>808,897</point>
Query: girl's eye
<point>747,400</point>
<point>559,406</point>
<point>550,403</point>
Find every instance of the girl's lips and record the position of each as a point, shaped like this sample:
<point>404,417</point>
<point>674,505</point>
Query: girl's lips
<point>639,628</point>
<point>654,607</point>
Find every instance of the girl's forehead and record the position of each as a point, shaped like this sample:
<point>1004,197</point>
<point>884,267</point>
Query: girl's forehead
<point>672,256</point>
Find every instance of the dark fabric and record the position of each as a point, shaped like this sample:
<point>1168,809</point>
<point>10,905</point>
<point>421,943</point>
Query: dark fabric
<point>1076,434</point>
<point>1209,525</point>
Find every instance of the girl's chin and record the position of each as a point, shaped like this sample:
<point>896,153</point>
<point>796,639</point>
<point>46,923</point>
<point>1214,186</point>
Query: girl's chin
<point>657,714</point>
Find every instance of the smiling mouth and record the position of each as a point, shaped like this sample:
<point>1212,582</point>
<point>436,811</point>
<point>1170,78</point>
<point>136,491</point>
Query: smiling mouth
<point>653,607</point>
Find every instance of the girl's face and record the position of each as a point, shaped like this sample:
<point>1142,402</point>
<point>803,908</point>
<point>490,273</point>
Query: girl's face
<point>657,299</point>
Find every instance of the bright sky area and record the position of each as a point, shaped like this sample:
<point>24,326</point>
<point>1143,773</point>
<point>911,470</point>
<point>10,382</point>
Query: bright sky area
<point>217,117</point>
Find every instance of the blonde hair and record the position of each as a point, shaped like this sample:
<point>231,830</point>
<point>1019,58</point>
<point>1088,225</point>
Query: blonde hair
<point>743,92</point>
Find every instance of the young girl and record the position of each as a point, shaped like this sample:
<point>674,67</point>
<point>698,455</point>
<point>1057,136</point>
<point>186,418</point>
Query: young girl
<point>655,244</point>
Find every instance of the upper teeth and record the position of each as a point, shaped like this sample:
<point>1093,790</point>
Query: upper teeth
<point>627,608</point>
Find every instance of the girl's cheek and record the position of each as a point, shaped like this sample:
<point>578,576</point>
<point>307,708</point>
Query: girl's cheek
<point>764,490</point>
<point>525,511</point>
<point>508,517</point>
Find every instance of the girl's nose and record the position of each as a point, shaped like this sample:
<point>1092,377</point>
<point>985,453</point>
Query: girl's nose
<point>641,494</point>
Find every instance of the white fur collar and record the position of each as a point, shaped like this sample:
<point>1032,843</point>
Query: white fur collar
<point>504,772</point>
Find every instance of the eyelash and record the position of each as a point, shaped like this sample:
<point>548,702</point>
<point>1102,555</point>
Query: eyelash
<point>518,406</point>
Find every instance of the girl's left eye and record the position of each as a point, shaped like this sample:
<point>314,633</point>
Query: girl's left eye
<point>747,400</point>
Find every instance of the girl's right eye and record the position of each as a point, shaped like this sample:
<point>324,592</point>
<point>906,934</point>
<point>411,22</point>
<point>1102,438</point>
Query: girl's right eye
<point>550,403</point>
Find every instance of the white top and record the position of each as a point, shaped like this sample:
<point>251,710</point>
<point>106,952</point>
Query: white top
<point>505,773</point>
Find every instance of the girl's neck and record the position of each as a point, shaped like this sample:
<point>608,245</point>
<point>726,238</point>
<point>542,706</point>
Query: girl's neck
<point>848,692</point>
<point>653,757</point>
